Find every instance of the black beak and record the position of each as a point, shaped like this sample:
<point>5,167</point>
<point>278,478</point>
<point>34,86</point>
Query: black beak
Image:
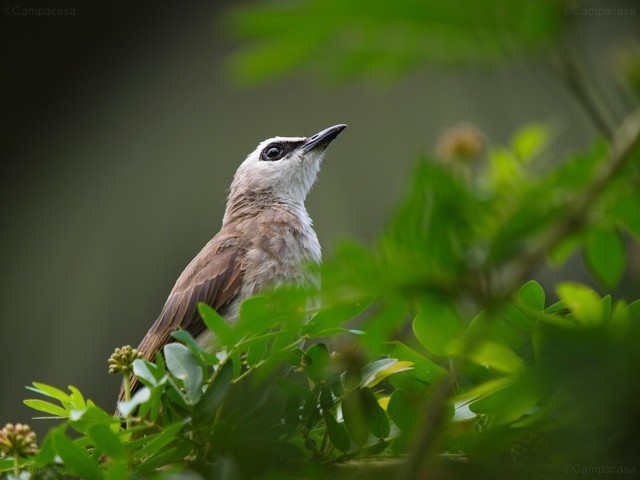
<point>324,138</point>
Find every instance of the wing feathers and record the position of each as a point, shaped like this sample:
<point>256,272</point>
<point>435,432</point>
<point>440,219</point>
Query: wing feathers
<point>213,277</point>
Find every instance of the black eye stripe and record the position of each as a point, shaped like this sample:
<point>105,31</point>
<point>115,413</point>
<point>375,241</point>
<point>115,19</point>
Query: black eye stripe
<point>278,150</point>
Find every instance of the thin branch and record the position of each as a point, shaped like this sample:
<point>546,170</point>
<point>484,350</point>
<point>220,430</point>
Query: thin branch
<point>574,77</point>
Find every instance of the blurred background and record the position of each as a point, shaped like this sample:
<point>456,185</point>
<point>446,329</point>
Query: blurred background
<point>121,130</point>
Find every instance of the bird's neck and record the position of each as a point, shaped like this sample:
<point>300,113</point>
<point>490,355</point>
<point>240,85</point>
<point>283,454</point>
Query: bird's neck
<point>252,204</point>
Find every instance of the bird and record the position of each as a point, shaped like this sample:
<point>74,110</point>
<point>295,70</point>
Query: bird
<point>266,238</point>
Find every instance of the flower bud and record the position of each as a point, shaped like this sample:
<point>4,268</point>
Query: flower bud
<point>17,441</point>
<point>121,360</point>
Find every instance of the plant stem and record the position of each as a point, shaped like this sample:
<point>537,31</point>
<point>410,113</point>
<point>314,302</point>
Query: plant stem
<point>127,394</point>
<point>16,464</point>
<point>127,386</point>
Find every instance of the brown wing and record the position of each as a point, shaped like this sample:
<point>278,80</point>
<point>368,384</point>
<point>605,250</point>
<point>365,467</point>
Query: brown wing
<point>213,277</point>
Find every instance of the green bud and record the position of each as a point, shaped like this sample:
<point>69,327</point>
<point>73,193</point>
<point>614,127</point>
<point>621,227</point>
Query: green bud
<point>121,360</point>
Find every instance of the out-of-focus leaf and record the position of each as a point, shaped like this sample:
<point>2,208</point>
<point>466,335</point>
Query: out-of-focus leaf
<point>506,173</point>
<point>362,414</point>
<point>606,256</point>
<point>84,420</point>
<point>159,441</point>
<point>377,371</point>
<point>375,415</point>
<point>141,396</point>
<point>117,470</point>
<point>562,251</point>
<point>184,366</point>
<point>462,412</point>
<point>354,415</point>
<point>532,295</point>
<point>529,140</point>
<point>583,302</point>
<point>215,323</point>
<point>510,403</point>
<point>424,370</point>
<point>497,356</point>
<point>330,318</point>
<point>319,362</point>
<point>401,410</point>
<point>386,39</point>
<point>76,458</point>
<point>436,325</point>
<point>47,451</point>
<point>257,351</point>
<point>337,432</point>
<point>627,212</point>
<point>217,391</point>
<point>107,441</point>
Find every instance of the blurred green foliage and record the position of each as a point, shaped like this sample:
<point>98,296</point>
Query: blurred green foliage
<point>357,38</point>
<point>434,352</point>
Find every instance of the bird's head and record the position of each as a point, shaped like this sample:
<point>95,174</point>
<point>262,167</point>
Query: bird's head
<point>283,167</point>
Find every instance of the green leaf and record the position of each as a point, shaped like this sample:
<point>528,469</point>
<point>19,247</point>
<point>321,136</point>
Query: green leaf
<point>462,412</point>
<point>583,302</point>
<point>6,464</point>
<point>214,322</point>
<point>217,391</point>
<point>424,370</point>
<point>154,443</point>
<point>529,140</point>
<point>401,410</point>
<point>620,319</point>
<point>377,371</point>
<point>337,433</point>
<point>185,337</point>
<point>375,414</point>
<point>184,366</point>
<point>257,351</point>
<point>107,441</point>
<point>436,325</point>
<point>388,39</point>
<point>328,319</point>
<point>77,399</point>
<point>564,249</point>
<point>606,256</point>
<point>50,392</point>
<point>141,396</point>
<point>497,356</point>
<point>83,420</point>
<point>46,407</point>
<point>627,212</point>
<point>146,373</point>
<point>370,370</point>
<point>76,458</point>
<point>117,470</point>
<point>319,361</point>
<point>509,403</point>
<point>381,324</point>
<point>47,451</point>
<point>354,415</point>
<point>532,295</point>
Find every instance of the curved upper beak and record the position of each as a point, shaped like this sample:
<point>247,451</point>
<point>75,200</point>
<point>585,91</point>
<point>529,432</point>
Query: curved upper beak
<point>324,138</point>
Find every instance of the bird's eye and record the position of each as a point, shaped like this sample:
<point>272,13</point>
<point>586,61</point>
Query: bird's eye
<point>273,152</point>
